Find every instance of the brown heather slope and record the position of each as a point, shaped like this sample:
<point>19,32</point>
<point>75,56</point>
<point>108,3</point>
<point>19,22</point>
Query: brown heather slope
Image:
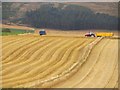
<point>110,8</point>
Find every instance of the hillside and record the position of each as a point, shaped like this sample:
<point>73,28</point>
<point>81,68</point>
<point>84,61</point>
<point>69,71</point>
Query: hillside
<point>61,15</point>
<point>110,8</point>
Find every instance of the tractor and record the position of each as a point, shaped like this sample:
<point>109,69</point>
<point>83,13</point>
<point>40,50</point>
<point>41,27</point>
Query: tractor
<point>42,32</point>
<point>90,34</point>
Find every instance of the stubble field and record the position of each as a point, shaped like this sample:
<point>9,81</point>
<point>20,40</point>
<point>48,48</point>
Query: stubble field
<point>59,62</point>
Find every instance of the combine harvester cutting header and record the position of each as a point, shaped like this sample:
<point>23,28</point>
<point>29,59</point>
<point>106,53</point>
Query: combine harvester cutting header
<point>99,34</point>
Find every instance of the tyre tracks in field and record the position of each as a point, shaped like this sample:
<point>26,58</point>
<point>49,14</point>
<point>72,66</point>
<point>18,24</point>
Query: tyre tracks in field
<point>84,79</point>
<point>91,64</point>
<point>103,74</point>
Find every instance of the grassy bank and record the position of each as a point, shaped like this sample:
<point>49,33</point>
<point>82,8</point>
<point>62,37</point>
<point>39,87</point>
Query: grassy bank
<point>11,31</point>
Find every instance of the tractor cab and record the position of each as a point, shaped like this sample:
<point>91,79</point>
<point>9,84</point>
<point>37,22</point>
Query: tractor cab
<point>42,32</point>
<point>90,34</point>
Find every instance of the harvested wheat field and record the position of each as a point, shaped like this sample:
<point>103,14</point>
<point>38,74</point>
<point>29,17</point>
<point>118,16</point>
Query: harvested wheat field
<point>59,62</point>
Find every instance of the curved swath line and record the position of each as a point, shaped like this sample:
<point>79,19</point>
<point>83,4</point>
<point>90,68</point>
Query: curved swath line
<point>61,62</point>
<point>60,44</point>
<point>25,57</point>
<point>21,51</point>
<point>4,45</point>
<point>37,62</point>
<point>61,50</point>
<point>65,51</point>
<point>17,44</point>
<point>5,51</point>
<point>8,47</point>
<point>70,50</point>
<point>92,65</point>
<point>11,42</point>
<point>80,64</point>
<point>13,38</point>
<point>57,63</point>
<point>14,43</point>
<point>43,49</point>
<point>4,41</point>
<point>21,46</point>
<point>30,51</point>
<point>67,65</point>
<point>26,84</point>
<point>8,39</point>
<point>34,49</point>
<point>14,59</point>
<point>27,53</point>
<point>55,50</point>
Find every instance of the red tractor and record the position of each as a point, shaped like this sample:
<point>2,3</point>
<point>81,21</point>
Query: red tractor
<point>90,34</point>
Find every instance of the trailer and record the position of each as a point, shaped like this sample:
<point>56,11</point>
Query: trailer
<point>104,34</point>
<point>99,34</point>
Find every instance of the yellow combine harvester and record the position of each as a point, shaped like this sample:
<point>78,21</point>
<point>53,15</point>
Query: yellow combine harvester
<point>104,34</point>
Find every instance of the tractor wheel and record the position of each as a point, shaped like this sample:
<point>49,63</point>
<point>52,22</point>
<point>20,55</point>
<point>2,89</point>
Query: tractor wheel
<point>92,35</point>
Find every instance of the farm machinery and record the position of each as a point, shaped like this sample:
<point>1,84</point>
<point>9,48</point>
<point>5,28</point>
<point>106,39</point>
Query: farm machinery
<point>42,32</point>
<point>99,34</point>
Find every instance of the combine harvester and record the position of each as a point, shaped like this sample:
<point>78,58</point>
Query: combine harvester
<point>99,34</point>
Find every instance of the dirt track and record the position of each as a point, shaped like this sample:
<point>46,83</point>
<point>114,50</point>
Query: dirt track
<point>29,61</point>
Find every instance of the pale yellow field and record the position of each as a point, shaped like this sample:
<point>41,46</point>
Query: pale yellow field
<point>58,62</point>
